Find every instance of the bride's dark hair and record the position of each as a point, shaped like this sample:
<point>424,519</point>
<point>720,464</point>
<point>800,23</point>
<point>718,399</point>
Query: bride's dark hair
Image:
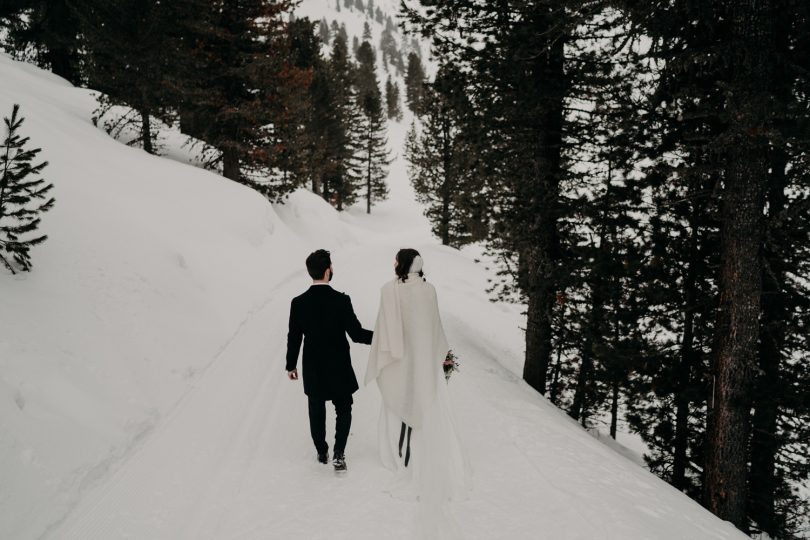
<point>405,258</point>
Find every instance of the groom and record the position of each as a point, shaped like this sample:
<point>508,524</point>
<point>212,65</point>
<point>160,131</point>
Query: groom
<point>322,317</point>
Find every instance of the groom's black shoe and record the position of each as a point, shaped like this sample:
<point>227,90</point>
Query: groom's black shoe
<point>323,458</point>
<point>339,461</point>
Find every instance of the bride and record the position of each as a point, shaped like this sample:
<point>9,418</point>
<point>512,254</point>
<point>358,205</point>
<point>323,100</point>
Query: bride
<point>417,436</point>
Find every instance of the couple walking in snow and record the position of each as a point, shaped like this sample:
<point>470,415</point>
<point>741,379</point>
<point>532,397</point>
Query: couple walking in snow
<point>417,438</point>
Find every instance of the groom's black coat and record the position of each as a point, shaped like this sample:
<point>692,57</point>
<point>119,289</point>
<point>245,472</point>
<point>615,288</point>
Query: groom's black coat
<point>322,317</point>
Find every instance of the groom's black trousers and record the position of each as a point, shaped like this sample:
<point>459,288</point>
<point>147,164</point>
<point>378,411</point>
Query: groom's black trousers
<point>343,422</point>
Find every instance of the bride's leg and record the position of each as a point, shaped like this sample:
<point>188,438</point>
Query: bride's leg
<point>401,437</point>
<point>408,449</point>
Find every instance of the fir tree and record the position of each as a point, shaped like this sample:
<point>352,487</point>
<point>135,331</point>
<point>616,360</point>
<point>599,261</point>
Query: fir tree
<point>388,46</point>
<point>340,121</point>
<point>414,83</point>
<point>441,163</point>
<point>342,31</point>
<point>129,63</point>
<point>231,81</point>
<point>292,150</point>
<point>23,196</point>
<point>48,31</point>
<point>392,105</point>
<point>323,31</point>
<point>372,141</point>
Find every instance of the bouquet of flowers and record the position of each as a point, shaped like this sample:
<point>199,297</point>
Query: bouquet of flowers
<point>450,365</point>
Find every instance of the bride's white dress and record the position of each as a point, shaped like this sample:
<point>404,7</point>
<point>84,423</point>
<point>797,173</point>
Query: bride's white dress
<point>407,352</point>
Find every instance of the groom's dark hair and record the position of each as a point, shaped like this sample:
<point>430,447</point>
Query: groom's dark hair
<point>318,262</point>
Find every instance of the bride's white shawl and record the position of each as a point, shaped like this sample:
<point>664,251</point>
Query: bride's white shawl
<point>407,351</point>
<point>408,348</point>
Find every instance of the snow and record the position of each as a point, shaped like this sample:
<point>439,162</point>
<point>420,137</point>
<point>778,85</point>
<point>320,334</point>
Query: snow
<point>142,391</point>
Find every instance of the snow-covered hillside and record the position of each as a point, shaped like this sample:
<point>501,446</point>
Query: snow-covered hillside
<point>142,391</point>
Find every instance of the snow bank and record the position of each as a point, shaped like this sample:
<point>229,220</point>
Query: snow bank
<point>150,266</point>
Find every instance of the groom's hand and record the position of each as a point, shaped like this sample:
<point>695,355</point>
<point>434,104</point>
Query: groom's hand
<point>293,375</point>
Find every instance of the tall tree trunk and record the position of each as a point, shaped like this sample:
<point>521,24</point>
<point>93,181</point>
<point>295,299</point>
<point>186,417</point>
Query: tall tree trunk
<point>230,164</point>
<point>683,375</point>
<point>579,404</point>
<point>614,407</point>
<point>740,283</point>
<point>538,330</point>
<point>368,166</point>
<point>555,372</point>
<point>618,368</point>
<point>61,40</point>
<point>764,445</point>
<point>368,189</point>
<point>146,132</point>
<point>543,248</point>
<point>61,63</point>
<point>444,226</point>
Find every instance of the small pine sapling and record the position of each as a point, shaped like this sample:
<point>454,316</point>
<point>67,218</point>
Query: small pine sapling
<point>23,196</point>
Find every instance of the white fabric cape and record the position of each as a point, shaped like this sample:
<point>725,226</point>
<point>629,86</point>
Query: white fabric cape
<point>407,351</point>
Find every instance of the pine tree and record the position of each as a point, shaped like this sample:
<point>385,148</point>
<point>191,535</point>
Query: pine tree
<point>23,196</point>
<point>372,141</point>
<point>323,31</point>
<point>128,61</point>
<point>47,29</point>
<point>393,108</point>
<point>337,112</point>
<point>293,147</point>
<point>441,163</point>
<point>414,83</point>
<point>231,80</point>
<point>388,46</point>
<point>342,31</point>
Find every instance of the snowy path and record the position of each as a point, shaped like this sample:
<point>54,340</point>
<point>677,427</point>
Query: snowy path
<point>234,461</point>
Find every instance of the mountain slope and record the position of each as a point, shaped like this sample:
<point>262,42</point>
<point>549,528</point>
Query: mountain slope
<point>142,392</point>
